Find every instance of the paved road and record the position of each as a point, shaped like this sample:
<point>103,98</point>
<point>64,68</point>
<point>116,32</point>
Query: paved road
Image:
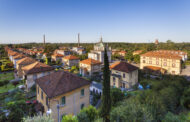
<point>186,72</point>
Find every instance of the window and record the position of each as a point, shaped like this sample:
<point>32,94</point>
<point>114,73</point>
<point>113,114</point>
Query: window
<point>46,100</point>
<point>82,92</point>
<point>165,59</point>
<point>150,62</point>
<point>42,96</point>
<point>173,72</point>
<point>144,57</point>
<point>150,58</point>
<point>123,75</point>
<point>63,100</point>
<point>157,62</point>
<point>173,65</point>
<point>113,79</point>
<point>82,106</point>
<point>165,64</point>
<point>113,83</point>
<point>123,85</point>
<point>144,61</point>
<point>34,77</point>
<point>157,58</point>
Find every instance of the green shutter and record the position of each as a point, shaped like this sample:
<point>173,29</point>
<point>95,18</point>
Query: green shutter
<point>82,92</point>
<point>63,100</point>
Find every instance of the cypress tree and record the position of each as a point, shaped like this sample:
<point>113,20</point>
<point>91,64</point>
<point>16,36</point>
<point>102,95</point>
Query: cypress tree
<point>106,98</point>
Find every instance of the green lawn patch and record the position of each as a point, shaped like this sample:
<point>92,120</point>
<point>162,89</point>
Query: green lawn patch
<point>7,76</point>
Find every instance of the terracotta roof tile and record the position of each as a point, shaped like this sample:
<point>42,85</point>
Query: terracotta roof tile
<point>71,57</point>
<point>123,66</point>
<point>90,61</point>
<point>36,68</point>
<point>161,55</point>
<point>60,82</point>
<point>26,60</point>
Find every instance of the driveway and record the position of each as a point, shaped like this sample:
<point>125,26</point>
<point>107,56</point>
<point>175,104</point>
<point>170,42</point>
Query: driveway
<point>186,72</point>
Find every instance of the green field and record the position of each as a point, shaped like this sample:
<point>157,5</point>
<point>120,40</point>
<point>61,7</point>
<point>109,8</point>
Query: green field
<point>6,76</point>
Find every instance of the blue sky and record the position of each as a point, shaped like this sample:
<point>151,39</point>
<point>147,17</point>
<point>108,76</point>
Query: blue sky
<point>24,21</point>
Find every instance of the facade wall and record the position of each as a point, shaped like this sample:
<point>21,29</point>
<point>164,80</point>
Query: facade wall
<point>30,80</point>
<point>74,100</point>
<point>90,69</point>
<point>173,66</point>
<point>70,62</point>
<point>126,80</point>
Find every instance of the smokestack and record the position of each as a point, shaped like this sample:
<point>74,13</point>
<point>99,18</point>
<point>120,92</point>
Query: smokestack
<point>78,39</point>
<point>44,40</point>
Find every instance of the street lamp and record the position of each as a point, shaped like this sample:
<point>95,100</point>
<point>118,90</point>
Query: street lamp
<point>58,107</point>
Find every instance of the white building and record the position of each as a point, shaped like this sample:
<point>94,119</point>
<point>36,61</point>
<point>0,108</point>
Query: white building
<point>98,52</point>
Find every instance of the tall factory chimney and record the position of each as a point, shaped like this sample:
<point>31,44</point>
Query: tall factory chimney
<point>78,39</point>
<point>44,40</point>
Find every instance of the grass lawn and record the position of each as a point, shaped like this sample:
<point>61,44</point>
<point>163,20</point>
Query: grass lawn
<point>6,76</point>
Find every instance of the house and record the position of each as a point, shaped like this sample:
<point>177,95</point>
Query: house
<point>161,62</point>
<point>63,52</point>
<point>98,52</point>
<point>57,57</point>
<point>17,58</point>
<point>89,67</point>
<point>21,63</point>
<point>96,87</point>
<point>79,50</point>
<point>123,75</point>
<point>34,71</point>
<point>70,91</point>
<point>70,60</point>
<point>11,54</point>
<point>182,54</point>
<point>122,53</point>
<point>137,52</point>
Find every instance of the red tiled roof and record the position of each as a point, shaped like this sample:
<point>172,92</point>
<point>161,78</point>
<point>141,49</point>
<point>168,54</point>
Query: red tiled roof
<point>25,60</point>
<point>161,55</point>
<point>123,66</point>
<point>71,57</point>
<point>90,61</point>
<point>36,68</point>
<point>60,82</point>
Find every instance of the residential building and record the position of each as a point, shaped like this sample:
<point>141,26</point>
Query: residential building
<point>122,53</point>
<point>34,71</point>
<point>96,87</point>
<point>70,91</point>
<point>89,67</point>
<point>160,62</point>
<point>17,58</point>
<point>70,60</point>
<point>57,57</point>
<point>98,52</point>
<point>137,52</point>
<point>63,52</point>
<point>123,75</point>
<point>182,54</point>
<point>21,63</point>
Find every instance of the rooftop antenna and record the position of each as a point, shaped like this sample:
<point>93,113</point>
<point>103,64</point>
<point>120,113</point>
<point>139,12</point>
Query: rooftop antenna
<point>78,39</point>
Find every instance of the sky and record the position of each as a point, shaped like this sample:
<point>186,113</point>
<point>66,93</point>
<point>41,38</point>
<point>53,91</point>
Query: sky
<point>23,21</point>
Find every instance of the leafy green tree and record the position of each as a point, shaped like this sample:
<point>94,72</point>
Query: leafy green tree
<point>129,56</point>
<point>83,117</point>
<point>116,96</point>
<point>16,110</point>
<point>131,111</point>
<point>88,114</point>
<point>5,83</point>
<point>69,118</point>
